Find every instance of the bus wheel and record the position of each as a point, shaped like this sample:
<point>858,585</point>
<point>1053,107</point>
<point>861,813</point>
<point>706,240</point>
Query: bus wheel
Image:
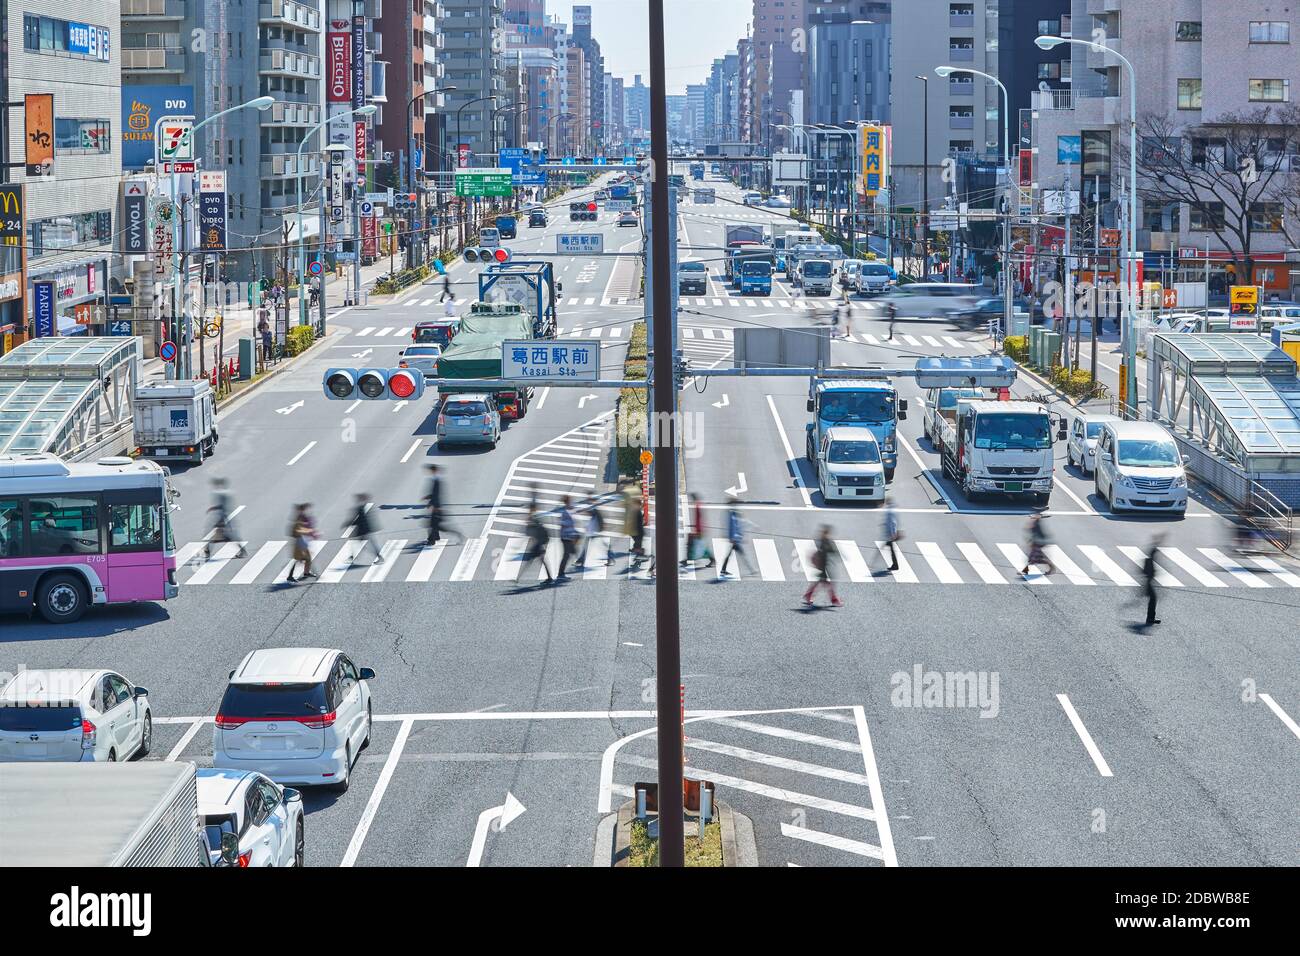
<point>61,599</point>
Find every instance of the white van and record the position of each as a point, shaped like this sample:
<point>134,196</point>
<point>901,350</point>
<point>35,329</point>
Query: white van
<point>1138,467</point>
<point>933,299</point>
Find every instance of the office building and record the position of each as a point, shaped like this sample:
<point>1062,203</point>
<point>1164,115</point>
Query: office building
<point>473,64</point>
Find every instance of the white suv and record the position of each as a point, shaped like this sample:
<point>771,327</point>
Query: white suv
<point>1138,466</point>
<point>73,715</point>
<point>265,818</point>
<point>300,715</point>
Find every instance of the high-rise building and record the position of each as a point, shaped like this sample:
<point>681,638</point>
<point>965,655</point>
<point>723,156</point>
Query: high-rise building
<point>848,62</point>
<point>409,122</point>
<point>780,58</point>
<point>699,115</point>
<point>595,81</point>
<point>473,33</point>
<point>530,39</point>
<point>614,110</point>
<point>637,111</point>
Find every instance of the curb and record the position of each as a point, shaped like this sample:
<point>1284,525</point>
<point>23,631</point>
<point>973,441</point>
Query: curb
<point>739,847</point>
<point>282,367</point>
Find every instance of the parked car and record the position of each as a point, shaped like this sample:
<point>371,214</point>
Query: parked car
<point>469,418</point>
<point>299,715</point>
<point>1138,467</point>
<point>422,357</point>
<point>73,715</point>
<point>692,278</point>
<point>264,817</point>
<point>1085,431</point>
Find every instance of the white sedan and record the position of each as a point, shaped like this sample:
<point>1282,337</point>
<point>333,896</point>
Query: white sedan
<point>423,357</point>
<point>778,202</point>
<point>74,715</point>
<point>249,820</point>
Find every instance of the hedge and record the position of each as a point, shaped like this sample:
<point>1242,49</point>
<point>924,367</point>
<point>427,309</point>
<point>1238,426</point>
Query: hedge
<point>631,402</point>
<point>1017,347</point>
<point>407,277</point>
<point>299,339</point>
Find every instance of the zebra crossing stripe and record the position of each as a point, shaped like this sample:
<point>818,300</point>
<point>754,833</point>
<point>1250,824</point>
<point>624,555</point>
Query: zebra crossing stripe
<point>803,549</point>
<point>688,333</point>
<point>980,562</point>
<point>1232,567</point>
<point>594,566</point>
<point>315,548</point>
<point>954,342</point>
<point>830,743</point>
<point>335,570</point>
<point>426,561</point>
<point>904,574</point>
<point>1163,577</point>
<point>1103,563</point>
<point>931,340</point>
<point>1279,572</point>
<point>832,841</point>
<point>910,341</point>
<point>258,562</point>
<point>384,331</point>
<point>366,331</point>
<point>377,573</point>
<point>769,561</point>
<point>771,760</point>
<point>1019,561</point>
<point>186,552</point>
<point>470,555</point>
<point>616,332</point>
<point>210,569</point>
<point>855,565</point>
<point>1191,567</point>
<point>402,333</point>
<point>940,564</point>
<point>512,553</point>
<point>722,548</point>
<point>1063,563</point>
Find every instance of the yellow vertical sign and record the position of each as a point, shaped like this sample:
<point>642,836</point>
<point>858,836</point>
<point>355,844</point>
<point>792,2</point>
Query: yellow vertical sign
<point>873,169</point>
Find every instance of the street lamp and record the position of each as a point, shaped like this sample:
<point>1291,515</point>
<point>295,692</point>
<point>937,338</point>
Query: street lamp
<point>554,135</point>
<point>1130,276</point>
<point>1006,162</point>
<point>366,110</point>
<point>459,140</point>
<point>183,370</point>
<point>925,172</point>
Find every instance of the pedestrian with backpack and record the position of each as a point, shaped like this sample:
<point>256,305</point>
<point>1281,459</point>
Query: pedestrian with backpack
<point>823,556</point>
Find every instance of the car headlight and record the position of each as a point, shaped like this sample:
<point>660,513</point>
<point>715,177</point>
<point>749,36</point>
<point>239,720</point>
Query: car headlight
<point>831,479</point>
<point>1180,482</point>
<point>1124,480</point>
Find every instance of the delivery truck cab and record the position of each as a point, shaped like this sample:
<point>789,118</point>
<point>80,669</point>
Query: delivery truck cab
<point>175,421</point>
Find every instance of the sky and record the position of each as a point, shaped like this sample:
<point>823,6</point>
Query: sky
<point>698,32</point>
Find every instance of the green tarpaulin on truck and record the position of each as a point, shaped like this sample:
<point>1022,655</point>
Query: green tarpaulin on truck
<point>517,326</point>
<point>474,354</point>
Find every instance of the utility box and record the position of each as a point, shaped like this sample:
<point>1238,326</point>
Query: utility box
<point>247,358</point>
<point>1051,349</point>
<point>1035,345</point>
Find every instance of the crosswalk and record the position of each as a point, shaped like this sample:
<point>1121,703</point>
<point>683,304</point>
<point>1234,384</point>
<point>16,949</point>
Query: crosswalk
<point>766,559</point>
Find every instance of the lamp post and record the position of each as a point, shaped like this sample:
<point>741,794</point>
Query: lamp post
<point>801,128</point>
<point>925,173</point>
<point>1130,274</point>
<point>554,136</point>
<point>1006,162</point>
<point>183,363</point>
<point>853,191</point>
<point>411,178</point>
<point>366,110</point>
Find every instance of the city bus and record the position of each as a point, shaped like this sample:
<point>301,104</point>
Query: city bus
<point>73,535</point>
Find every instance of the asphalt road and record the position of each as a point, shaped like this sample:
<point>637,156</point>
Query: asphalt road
<point>954,713</point>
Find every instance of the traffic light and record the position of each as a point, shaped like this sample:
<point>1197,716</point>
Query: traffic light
<point>373,384</point>
<point>582,211</point>
<point>485,255</point>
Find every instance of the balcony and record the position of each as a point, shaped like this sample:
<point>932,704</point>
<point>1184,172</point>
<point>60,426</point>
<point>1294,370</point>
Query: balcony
<point>290,114</point>
<point>961,54</point>
<point>961,122</point>
<point>285,63</point>
<point>154,9</point>
<point>275,166</point>
<point>289,13</point>
<point>1049,100</point>
<point>962,21</point>
<point>153,61</point>
<point>960,87</point>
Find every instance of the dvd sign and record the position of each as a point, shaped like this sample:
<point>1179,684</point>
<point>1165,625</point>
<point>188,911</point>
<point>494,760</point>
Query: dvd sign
<point>339,61</point>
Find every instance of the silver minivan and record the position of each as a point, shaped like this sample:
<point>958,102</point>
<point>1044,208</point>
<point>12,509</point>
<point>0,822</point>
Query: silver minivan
<point>471,418</point>
<point>1139,467</point>
<point>934,299</point>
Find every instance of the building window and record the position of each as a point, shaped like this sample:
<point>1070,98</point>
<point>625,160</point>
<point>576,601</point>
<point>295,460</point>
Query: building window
<point>51,35</point>
<point>1048,28</point>
<point>1187,31</point>
<point>1189,94</point>
<point>1095,147</point>
<point>1205,217</point>
<point>82,136</point>
<point>961,146</point>
<point>1270,91</point>
<point>1209,152</point>
<point>1049,71</point>
<point>1266,216</point>
<point>1270,31</point>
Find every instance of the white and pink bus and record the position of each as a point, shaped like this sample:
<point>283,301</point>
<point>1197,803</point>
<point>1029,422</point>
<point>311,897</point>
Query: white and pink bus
<point>73,535</point>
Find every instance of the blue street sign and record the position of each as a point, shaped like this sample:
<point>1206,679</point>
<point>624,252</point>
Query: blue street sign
<point>599,161</point>
<point>629,160</point>
<point>43,308</point>
<point>121,327</point>
<point>315,267</point>
<point>419,158</point>
<point>167,351</point>
<point>568,161</point>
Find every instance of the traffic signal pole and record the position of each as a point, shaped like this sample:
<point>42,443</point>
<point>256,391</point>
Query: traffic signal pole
<point>668,659</point>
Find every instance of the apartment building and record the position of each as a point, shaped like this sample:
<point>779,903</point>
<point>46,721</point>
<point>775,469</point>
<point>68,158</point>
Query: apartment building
<point>473,40</point>
<point>409,38</point>
<point>780,63</point>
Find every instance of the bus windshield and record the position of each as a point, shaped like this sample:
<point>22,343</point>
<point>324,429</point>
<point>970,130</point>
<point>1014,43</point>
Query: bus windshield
<point>1011,430</point>
<point>843,408</point>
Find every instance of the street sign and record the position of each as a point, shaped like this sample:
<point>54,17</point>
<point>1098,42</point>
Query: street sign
<point>135,209</point>
<point>789,169</point>
<point>173,140</point>
<point>1244,300</point>
<point>315,267</point>
<point>367,208</point>
<point>545,360</point>
<point>1188,252</point>
<point>497,183</point>
<point>43,308</point>
<point>592,244</point>
<point>647,457</point>
<point>167,351</point>
<point>619,205</point>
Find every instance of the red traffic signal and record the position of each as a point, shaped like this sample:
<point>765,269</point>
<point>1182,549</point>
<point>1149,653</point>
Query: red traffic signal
<point>591,207</point>
<point>501,255</point>
<point>402,383</point>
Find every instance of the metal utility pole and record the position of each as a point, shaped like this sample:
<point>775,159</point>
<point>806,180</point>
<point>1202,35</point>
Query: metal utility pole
<point>668,659</point>
<point>925,174</point>
<point>1096,268</point>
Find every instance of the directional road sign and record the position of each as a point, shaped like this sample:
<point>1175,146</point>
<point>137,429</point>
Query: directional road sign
<point>546,360</point>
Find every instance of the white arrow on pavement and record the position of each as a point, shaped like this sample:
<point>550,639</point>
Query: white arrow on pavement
<point>584,400</point>
<point>362,354</point>
<point>502,816</point>
<point>739,488</point>
<point>290,409</point>
<point>399,405</point>
<point>724,403</point>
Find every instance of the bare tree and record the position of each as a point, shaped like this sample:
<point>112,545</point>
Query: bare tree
<point>1234,173</point>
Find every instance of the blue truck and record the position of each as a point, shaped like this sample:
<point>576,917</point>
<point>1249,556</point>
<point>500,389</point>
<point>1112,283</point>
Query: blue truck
<point>508,227</point>
<point>755,276</point>
<point>864,403</point>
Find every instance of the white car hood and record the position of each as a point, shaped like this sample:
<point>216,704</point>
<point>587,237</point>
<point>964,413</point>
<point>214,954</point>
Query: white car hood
<point>849,468</point>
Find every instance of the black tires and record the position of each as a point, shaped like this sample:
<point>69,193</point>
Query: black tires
<point>62,598</point>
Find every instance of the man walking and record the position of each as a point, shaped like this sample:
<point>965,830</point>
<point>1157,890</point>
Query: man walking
<point>822,558</point>
<point>568,537</point>
<point>223,528</point>
<point>893,534</point>
<point>539,537</point>
<point>434,500</point>
<point>1149,580</point>
<point>736,536</point>
<point>264,331</point>
<point>362,528</point>
<point>891,311</point>
<point>446,289</point>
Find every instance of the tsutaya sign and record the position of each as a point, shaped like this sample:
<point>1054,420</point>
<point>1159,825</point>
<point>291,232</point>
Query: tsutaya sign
<point>873,168</point>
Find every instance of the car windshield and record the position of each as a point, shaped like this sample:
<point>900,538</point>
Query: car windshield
<point>273,700</point>
<point>464,409</point>
<point>692,267</point>
<point>1094,429</point>
<point>1022,431</point>
<point>423,351</point>
<point>1148,453</point>
<point>851,407</point>
<point>875,269</point>
<point>756,268</point>
<point>38,719</point>
<point>854,453</point>
<point>817,269</point>
<point>949,397</point>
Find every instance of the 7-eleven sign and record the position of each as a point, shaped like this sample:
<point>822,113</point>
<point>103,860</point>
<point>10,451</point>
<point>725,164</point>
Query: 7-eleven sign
<point>172,140</point>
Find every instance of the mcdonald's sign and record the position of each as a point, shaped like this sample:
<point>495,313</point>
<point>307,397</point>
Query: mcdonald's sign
<point>11,215</point>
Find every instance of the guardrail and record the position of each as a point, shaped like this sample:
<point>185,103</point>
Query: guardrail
<point>1270,518</point>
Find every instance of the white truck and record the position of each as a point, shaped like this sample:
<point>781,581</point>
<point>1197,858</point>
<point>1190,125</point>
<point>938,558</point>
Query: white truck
<point>998,448</point>
<point>144,813</point>
<point>175,421</point>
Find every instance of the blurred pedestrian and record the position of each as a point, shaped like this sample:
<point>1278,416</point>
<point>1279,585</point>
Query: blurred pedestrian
<point>539,538</point>
<point>1149,580</point>
<point>891,313</point>
<point>446,289</point>
<point>434,502</point>
<point>595,528</point>
<point>568,537</point>
<point>223,528</point>
<point>736,537</point>
<point>633,521</point>
<point>362,528</point>
<point>264,332</point>
<point>893,533</point>
<point>823,556</point>
<point>696,547</point>
<point>449,309</point>
<point>1037,541</point>
<point>302,530</point>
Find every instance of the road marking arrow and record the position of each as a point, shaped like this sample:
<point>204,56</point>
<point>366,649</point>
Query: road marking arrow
<point>362,354</point>
<point>399,405</point>
<point>582,402</point>
<point>502,816</point>
<point>724,403</point>
<point>739,488</point>
<point>290,409</point>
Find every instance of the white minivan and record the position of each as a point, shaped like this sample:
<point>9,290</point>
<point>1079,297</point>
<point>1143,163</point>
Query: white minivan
<point>1138,467</point>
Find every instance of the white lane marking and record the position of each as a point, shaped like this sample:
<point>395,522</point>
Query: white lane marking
<point>469,559</point>
<point>366,331</point>
<point>426,561</point>
<point>377,795</point>
<point>1233,567</point>
<point>1279,572</point>
<point>353,407</point>
<point>377,573</point>
<point>1103,563</point>
<point>721,548</point>
<point>1281,714</point>
<point>1088,743</point>
<point>1163,577</point>
<point>210,569</point>
<point>904,574</point>
<point>258,562</point>
<point>873,784</point>
<point>955,343</point>
<point>509,563</point>
<point>831,743</point>
<point>181,744</point>
<point>931,340</point>
<point>791,462</point>
<point>342,562</point>
<point>769,560</point>
<point>296,458</point>
<point>1018,560</point>
<point>411,451</point>
<point>541,399</point>
<point>855,565</point>
<point>803,549</point>
<point>1073,497</point>
<point>832,841</point>
<point>1192,568</point>
<point>939,562</point>
<point>980,562</point>
<point>595,568</point>
<point>688,333</point>
<point>386,331</point>
<point>1073,573</point>
<point>785,763</point>
<point>910,341</point>
<point>315,548</point>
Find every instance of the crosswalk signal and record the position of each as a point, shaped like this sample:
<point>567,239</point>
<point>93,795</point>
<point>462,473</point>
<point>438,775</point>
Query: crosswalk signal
<point>373,384</point>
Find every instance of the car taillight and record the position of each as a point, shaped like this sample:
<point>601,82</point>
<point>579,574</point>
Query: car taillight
<point>88,733</point>
<point>441,421</point>
<point>229,723</point>
<point>402,364</point>
<point>244,859</point>
<point>321,722</point>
